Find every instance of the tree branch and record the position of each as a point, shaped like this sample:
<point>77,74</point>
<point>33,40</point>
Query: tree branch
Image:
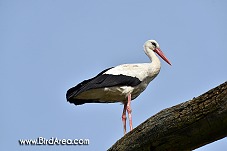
<point>186,126</point>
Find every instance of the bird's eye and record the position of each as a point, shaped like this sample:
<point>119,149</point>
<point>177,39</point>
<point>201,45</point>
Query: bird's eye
<point>154,44</point>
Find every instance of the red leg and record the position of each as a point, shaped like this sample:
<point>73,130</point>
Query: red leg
<point>129,110</point>
<point>124,117</point>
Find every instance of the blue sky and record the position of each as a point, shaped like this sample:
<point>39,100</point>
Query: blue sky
<point>48,46</point>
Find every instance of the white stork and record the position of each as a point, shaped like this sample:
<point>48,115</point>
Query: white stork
<point>122,83</point>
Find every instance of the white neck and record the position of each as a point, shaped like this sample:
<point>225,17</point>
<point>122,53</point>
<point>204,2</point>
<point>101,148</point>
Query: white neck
<point>155,64</point>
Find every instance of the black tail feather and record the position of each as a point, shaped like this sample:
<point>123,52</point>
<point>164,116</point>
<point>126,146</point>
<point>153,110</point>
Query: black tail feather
<point>72,92</point>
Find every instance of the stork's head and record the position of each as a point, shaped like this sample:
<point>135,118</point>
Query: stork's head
<point>151,44</point>
<point>154,46</point>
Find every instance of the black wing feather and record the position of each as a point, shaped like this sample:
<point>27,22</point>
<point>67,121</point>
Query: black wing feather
<point>100,81</point>
<point>74,90</point>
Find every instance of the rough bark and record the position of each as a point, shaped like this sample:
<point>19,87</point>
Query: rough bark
<point>186,126</point>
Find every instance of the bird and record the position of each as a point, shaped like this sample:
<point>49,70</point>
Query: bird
<point>122,83</point>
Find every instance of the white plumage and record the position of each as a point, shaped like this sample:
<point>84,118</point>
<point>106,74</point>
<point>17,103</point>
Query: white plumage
<point>122,83</point>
